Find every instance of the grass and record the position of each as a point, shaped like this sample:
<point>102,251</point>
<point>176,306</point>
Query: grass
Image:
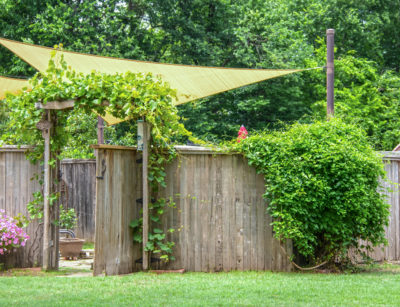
<point>88,245</point>
<point>65,271</point>
<point>377,286</point>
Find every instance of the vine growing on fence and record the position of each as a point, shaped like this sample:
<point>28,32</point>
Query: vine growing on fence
<point>323,186</point>
<point>129,95</point>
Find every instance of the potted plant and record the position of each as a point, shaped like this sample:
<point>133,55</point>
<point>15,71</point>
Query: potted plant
<point>69,247</point>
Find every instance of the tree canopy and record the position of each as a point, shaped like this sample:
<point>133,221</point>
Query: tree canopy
<point>255,34</point>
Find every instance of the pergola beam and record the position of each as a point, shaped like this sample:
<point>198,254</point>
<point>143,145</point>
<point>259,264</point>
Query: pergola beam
<point>56,105</point>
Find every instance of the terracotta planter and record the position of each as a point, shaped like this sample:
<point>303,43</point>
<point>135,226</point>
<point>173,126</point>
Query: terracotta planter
<point>71,247</point>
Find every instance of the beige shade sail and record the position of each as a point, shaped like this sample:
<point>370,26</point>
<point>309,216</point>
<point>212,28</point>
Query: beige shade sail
<point>11,85</point>
<point>190,82</point>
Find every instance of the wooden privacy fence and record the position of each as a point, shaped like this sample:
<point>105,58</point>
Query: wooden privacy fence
<point>17,184</point>
<point>220,220</point>
<point>220,217</point>
<point>392,251</point>
<point>78,191</point>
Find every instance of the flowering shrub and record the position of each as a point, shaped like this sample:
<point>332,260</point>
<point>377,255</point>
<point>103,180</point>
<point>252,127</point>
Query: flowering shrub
<point>11,234</point>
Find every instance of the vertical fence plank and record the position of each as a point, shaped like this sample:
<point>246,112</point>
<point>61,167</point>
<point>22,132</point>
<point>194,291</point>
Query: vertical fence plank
<point>239,204</point>
<point>395,205</point>
<point>218,216</point>
<point>196,217</point>
<point>236,174</point>
<point>79,192</point>
<point>246,220</point>
<point>254,224</point>
<point>226,195</point>
<point>177,212</point>
<point>212,211</point>
<point>205,212</point>
<point>261,208</point>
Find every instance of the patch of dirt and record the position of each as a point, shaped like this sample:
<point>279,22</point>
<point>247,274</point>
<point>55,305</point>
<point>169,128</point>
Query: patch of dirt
<point>23,272</point>
<point>67,268</point>
<point>82,264</point>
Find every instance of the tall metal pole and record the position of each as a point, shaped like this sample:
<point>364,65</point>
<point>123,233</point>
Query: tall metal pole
<point>330,72</point>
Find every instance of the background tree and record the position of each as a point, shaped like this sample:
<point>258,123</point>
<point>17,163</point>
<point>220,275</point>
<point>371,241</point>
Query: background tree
<point>255,34</point>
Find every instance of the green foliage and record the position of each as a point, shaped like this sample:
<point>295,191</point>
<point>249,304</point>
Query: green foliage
<point>68,219</point>
<point>257,34</point>
<point>322,184</point>
<point>363,97</point>
<point>35,207</point>
<point>369,27</point>
<point>157,238</point>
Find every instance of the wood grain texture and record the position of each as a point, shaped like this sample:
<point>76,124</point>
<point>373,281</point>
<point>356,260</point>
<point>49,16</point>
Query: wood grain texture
<point>78,191</point>
<point>220,216</point>
<point>116,207</point>
<point>391,252</point>
<point>16,188</point>
<point>226,226</point>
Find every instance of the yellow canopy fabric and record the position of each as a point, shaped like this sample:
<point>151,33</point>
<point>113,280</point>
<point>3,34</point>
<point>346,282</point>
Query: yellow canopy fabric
<point>190,82</point>
<point>11,85</point>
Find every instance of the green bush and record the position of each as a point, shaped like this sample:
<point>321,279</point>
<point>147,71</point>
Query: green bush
<point>68,219</point>
<point>322,184</point>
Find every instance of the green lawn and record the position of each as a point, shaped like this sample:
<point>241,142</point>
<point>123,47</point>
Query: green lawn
<point>378,287</point>
<point>88,245</point>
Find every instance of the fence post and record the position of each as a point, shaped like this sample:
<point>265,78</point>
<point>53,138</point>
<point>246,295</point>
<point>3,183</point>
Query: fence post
<point>143,144</point>
<point>46,133</point>
<point>100,130</point>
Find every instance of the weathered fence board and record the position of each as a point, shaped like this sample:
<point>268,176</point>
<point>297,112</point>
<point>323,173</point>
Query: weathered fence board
<point>225,226</point>
<point>17,184</point>
<point>219,215</point>
<point>392,251</point>
<point>117,178</point>
<point>16,188</point>
<point>220,218</point>
<point>79,192</point>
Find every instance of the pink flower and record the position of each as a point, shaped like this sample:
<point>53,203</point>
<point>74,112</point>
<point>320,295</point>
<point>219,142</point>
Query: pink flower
<point>242,134</point>
<point>10,234</point>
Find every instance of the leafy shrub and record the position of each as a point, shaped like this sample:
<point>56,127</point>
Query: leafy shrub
<point>11,234</point>
<point>322,183</point>
<point>68,219</point>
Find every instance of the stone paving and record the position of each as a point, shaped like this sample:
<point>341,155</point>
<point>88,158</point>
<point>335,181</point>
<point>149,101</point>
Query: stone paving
<point>79,264</point>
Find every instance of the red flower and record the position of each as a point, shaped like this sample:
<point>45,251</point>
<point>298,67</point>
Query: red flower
<point>242,134</point>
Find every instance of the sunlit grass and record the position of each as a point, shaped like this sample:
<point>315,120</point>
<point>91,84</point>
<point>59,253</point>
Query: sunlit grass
<point>375,286</point>
<point>88,245</point>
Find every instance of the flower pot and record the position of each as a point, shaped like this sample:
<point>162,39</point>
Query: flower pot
<point>71,247</point>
